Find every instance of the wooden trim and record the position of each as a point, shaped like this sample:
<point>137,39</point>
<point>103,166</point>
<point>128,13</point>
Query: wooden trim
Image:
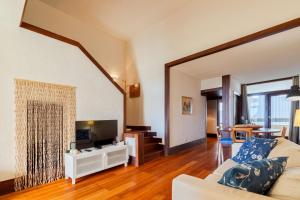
<point>71,42</point>
<point>139,128</point>
<point>274,93</point>
<point>91,58</point>
<point>225,100</point>
<point>101,68</point>
<point>269,81</point>
<point>228,45</point>
<point>23,12</point>
<point>7,186</point>
<point>240,41</point>
<point>167,110</point>
<point>212,94</point>
<point>203,92</point>
<point>176,149</point>
<point>124,111</point>
<point>74,43</point>
<point>49,34</point>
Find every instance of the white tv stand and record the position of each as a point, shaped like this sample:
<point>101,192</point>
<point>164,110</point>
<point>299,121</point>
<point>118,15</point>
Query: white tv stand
<point>85,163</point>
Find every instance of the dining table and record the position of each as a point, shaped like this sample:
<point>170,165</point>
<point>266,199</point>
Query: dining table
<point>267,132</point>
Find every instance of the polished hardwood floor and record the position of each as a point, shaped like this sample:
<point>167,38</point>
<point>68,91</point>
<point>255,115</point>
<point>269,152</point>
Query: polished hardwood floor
<point>150,181</point>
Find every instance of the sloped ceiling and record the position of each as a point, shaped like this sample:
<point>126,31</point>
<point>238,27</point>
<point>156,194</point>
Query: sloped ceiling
<point>124,18</point>
<point>213,20</point>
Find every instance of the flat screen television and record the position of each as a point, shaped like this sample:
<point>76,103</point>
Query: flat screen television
<point>95,133</point>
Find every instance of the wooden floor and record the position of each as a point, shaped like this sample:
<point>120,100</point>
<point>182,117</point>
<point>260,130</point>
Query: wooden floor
<point>150,181</point>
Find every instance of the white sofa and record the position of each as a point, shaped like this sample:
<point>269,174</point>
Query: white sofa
<point>287,186</point>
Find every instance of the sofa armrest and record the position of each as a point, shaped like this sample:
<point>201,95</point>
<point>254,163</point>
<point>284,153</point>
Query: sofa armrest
<point>192,188</point>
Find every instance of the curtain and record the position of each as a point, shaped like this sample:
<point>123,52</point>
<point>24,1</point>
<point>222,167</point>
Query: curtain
<point>245,111</point>
<point>294,131</point>
<point>45,126</point>
<point>44,143</point>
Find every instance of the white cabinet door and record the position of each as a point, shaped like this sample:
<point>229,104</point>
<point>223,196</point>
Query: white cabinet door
<point>116,157</point>
<point>88,165</point>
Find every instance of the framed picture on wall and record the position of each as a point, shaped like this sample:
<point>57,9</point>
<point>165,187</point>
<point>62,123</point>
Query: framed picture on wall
<point>187,105</point>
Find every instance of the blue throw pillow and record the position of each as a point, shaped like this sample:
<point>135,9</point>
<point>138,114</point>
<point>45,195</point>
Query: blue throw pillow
<point>254,149</point>
<point>257,176</point>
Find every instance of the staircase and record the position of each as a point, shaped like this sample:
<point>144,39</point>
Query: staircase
<point>150,145</point>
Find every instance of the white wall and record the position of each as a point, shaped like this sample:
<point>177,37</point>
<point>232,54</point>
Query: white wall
<point>211,83</point>
<point>186,128</point>
<point>235,86</point>
<point>108,50</point>
<point>194,27</point>
<point>269,87</point>
<point>28,55</point>
<point>134,106</point>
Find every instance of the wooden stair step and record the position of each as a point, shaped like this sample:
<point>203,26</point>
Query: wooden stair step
<point>152,147</point>
<point>153,155</point>
<point>139,128</point>
<point>152,140</point>
<point>149,133</point>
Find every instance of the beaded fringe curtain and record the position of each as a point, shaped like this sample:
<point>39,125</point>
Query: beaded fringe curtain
<point>44,143</point>
<point>45,124</point>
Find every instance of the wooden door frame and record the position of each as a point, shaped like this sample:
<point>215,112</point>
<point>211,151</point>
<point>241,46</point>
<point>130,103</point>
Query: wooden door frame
<point>228,45</point>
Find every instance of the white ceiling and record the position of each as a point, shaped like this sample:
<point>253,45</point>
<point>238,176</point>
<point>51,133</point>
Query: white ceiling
<point>123,18</point>
<point>273,57</point>
<point>276,56</point>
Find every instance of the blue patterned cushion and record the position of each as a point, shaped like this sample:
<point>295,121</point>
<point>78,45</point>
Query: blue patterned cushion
<point>257,176</point>
<point>254,149</point>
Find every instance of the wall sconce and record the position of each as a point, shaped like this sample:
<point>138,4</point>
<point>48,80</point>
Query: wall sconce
<point>119,81</point>
<point>134,90</point>
<point>115,77</point>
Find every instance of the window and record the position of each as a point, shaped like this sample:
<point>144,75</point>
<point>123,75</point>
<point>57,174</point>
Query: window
<point>268,105</point>
<point>280,111</point>
<point>256,106</point>
<point>271,110</point>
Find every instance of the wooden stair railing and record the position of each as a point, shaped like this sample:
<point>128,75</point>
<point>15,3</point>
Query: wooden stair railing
<point>139,128</point>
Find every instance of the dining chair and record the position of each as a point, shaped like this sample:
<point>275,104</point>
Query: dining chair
<point>247,131</point>
<point>282,133</point>
<point>224,138</point>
